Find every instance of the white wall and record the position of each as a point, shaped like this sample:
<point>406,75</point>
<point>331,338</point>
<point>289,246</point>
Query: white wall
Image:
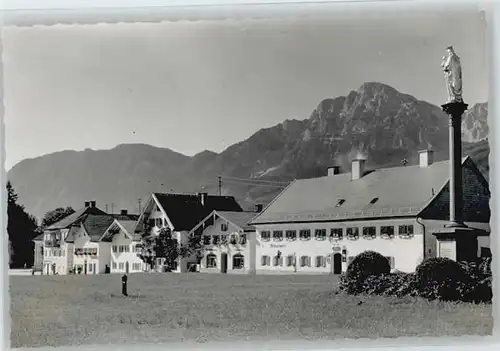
<point>104,254</point>
<point>38,258</point>
<point>407,253</point>
<point>231,250</point>
<point>57,256</point>
<point>120,259</point>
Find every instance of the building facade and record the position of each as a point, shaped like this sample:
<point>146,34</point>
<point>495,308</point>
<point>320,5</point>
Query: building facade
<point>319,225</point>
<point>227,243</point>
<point>179,213</point>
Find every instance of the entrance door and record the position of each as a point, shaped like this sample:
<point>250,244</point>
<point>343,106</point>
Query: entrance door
<point>126,267</point>
<point>223,263</point>
<point>337,263</point>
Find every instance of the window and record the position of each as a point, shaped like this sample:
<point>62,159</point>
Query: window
<point>121,266</point>
<point>265,261</point>
<point>406,231</point>
<point>223,227</point>
<point>336,233</point>
<point>211,261</point>
<point>216,239</point>
<point>320,261</point>
<point>352,233</point>
<point>223,239</point>
<point>136,266</point>
<point>115,248</point>
<point>387,231</point>
<point>305,234</point>
<point>113,265</point>
<point>233,240</point>
<point>305,261</point>
<point>90,267</point>
<point>278,235</point>
<point>369,232</point>
<point>238,261</point>
<point>159,222</point>
<point>291,235</point>
<point>340,202</point>
<point>243,239</point>
<point>265,235</point>
<point>278,261</point>
<point>289,260</point>
<point>320,234</point>
<point>206,240</point>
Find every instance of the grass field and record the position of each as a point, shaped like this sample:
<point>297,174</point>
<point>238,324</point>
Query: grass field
<point>63,310</point>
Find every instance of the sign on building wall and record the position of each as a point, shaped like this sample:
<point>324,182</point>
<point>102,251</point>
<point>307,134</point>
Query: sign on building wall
<point>447,249</point>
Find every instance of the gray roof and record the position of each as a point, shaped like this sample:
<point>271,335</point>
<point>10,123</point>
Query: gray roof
<point>241,219</point>
<point>75,218</point>
<point>399,192</point>
<point>128,225</point>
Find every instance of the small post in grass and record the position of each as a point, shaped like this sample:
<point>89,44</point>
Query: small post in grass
<point>124,285</point>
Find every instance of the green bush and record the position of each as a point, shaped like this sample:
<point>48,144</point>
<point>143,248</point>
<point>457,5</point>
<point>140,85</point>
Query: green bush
<point>443,279</point>
<point>394,284</point>
<point>479,272</point>
<point>366,264</point>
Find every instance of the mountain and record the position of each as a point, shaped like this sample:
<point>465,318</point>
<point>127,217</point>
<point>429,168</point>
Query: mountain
<point>475,124</point>
<point>375,120</point>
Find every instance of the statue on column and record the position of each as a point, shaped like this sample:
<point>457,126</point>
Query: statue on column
<point>453,74</point>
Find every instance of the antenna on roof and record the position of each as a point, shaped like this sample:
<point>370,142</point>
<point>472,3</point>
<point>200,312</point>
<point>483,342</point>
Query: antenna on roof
<point>112,208</point>
<point>139,202</point>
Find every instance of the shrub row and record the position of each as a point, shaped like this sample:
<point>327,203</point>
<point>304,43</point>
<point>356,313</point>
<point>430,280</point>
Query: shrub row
<point>435,278</point>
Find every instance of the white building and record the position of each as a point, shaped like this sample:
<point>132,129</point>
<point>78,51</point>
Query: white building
<point>227,242</point>
<point>73,245</point>
<point>180,213</point>
<point>123,245</point>
<point>319,225</point>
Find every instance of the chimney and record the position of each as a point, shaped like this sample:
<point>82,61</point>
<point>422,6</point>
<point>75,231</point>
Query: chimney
<point>426,158</point>
<point>333,170</point>
<point>203,198</point>
<point>87,203</point>
<point>123,212</point>
<point>258,208</point>
<point>92,204</point>
<point>358,168</point>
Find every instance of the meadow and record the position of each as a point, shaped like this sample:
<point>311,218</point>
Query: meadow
<point>75,310</point>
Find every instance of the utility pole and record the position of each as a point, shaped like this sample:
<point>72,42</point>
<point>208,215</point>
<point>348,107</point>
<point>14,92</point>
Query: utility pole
<point>112,208</point>
<point>106,208</point>
<point>219,181</point>
<point>139,201</point>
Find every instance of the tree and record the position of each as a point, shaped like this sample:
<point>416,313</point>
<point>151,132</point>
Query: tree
<point>56,215</point>
<point>167,247</point>
<point>21,229</point>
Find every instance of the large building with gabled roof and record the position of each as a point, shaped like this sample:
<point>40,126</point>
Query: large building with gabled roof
<point>180,213</point>
<point>227,242</point>
<point>74,242</point>
<point>319,225</point>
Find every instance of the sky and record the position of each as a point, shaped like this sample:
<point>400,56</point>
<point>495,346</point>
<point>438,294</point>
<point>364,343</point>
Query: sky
<point>193,86</point>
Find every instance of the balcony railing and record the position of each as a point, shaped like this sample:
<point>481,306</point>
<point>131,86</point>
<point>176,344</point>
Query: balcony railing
<point>53,243</point>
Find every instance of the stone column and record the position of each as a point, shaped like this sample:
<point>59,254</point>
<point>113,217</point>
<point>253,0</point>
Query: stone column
<point>455,111</point>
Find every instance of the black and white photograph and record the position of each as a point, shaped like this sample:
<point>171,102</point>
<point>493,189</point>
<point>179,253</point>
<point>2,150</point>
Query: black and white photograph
<point>286,178</point>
